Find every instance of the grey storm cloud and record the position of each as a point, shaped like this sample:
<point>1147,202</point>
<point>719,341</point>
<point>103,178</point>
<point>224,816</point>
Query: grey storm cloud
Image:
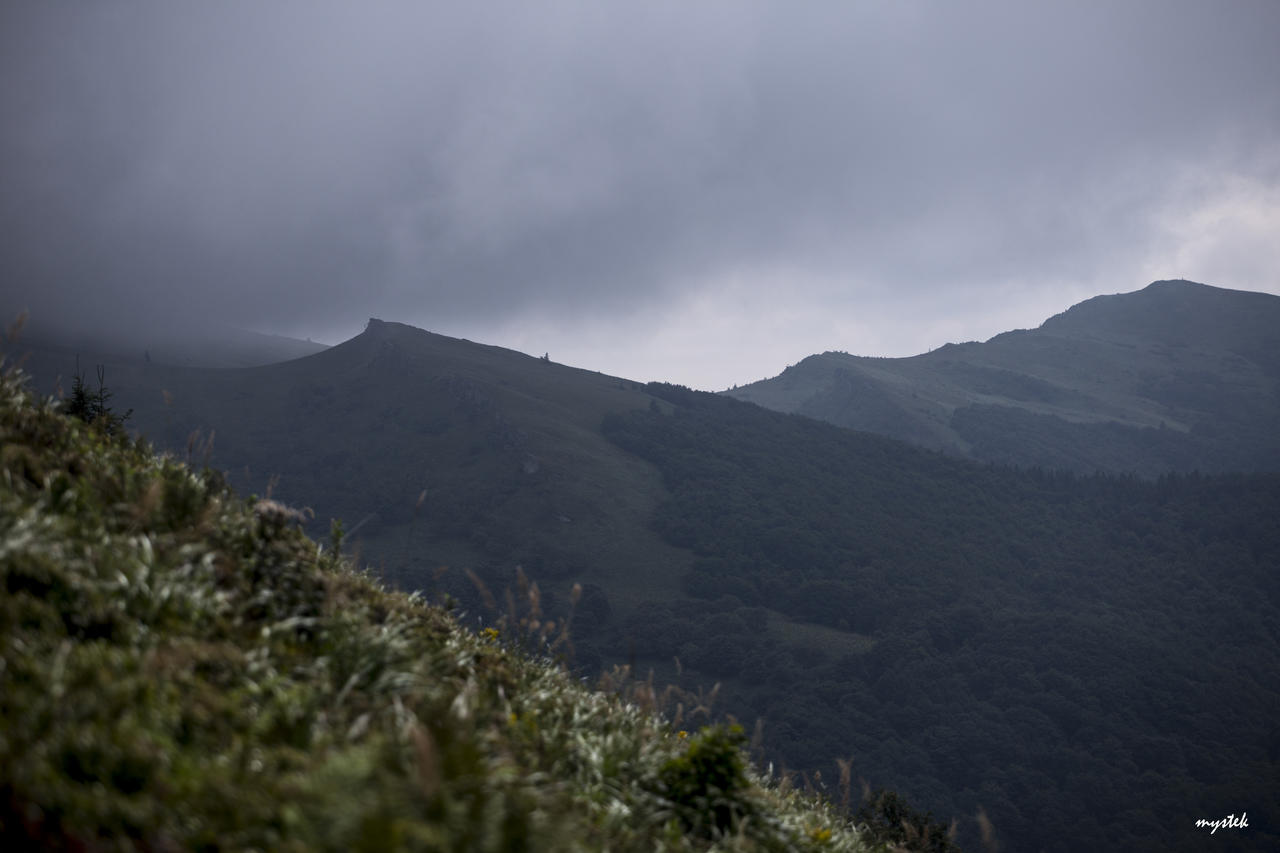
<point>302,166</point>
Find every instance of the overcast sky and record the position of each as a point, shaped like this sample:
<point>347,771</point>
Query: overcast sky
<point>698,192</point>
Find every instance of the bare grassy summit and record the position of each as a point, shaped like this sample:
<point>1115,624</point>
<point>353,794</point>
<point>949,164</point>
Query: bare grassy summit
<point>1178,376</point>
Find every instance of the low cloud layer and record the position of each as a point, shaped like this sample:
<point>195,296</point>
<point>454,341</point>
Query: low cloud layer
<point>694,192</point>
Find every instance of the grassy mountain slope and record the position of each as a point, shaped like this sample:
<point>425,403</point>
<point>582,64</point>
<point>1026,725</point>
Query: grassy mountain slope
<point>181,669</point>
<point>1176,377</point>
<point>434,452</point>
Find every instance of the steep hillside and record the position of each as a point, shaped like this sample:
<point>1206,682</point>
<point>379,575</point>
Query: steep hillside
<point>1176,377</point>
<point>182,670</point>
<point>433,451</point>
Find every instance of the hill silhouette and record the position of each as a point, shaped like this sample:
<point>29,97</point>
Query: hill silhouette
<point>433,451</point>
<point>1176,377</point>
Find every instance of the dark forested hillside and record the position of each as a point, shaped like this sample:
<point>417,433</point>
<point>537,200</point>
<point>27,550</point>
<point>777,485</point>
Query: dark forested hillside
<point>1176,377</point>
<point>433,452</point>
<point>1093,660</point>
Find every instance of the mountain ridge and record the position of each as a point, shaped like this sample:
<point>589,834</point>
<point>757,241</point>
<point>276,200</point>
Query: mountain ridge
<point>1176,376</point>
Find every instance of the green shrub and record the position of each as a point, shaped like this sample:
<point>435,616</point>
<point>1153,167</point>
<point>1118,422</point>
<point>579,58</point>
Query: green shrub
<point>708,783</point>
<point>889,817</point>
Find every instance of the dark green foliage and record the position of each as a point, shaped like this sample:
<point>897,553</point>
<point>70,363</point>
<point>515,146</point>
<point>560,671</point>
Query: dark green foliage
<point>891,818</point>
<point>1013,436</point>
<point>708,783</point>
<point>93,407</point>
<point>336,536</point>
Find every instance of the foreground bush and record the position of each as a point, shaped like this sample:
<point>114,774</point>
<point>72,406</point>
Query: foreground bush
<point>182,669</point>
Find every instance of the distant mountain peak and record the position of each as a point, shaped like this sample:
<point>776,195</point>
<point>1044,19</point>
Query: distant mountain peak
<point>1174,283</point>
<point>1091,388</point>
<point>1172,311</point>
